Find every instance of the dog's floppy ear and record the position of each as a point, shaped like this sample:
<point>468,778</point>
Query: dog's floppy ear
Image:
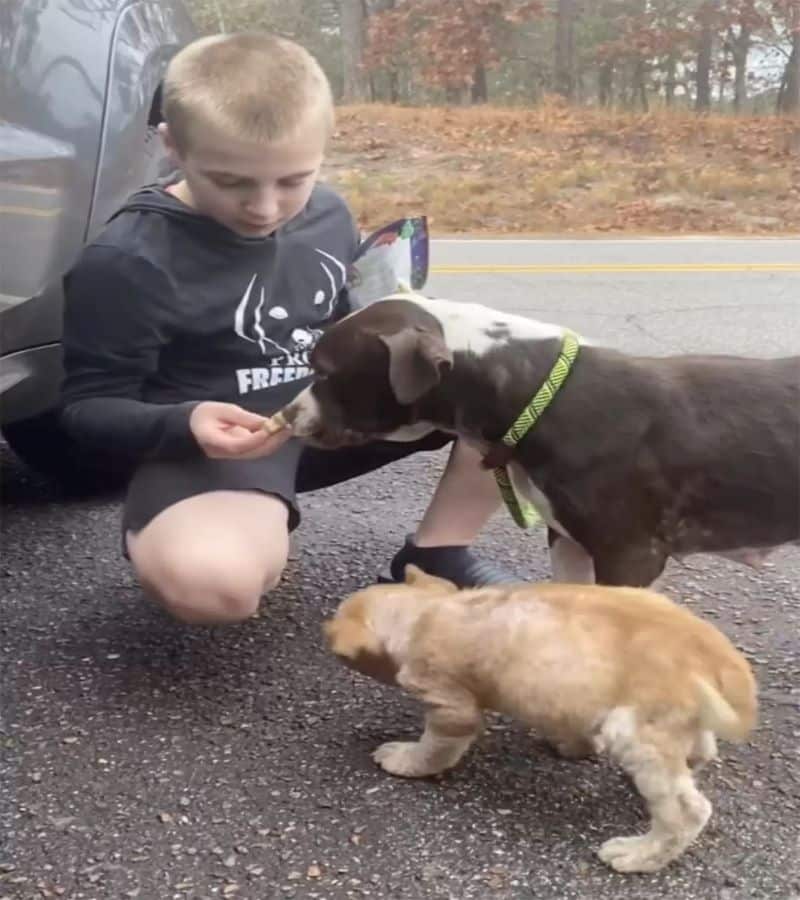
<point>323,356</point>
<point>418,578</point>
<point>357,647</point>
<point>417,360</point>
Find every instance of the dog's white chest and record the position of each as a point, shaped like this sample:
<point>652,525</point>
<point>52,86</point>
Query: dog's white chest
<point>524,487</point>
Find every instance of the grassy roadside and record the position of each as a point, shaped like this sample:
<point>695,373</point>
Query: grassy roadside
<point>560,170</point>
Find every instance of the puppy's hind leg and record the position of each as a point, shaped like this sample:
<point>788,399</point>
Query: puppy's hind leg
<point>450,730</point>
<point>703,750</point>
<point>656,760</point>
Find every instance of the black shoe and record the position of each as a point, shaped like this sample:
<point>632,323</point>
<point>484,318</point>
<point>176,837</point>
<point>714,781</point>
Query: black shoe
<point>457,564</point>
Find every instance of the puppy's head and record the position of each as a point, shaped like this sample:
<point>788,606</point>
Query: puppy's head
<point>351,634</point>
<point>350,637</point>
<point>373,367</point>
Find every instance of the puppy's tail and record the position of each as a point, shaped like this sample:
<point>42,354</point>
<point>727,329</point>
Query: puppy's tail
<point>731,721</point>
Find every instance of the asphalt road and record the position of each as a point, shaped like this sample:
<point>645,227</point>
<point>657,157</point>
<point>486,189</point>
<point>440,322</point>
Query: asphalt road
<point>142,759</point>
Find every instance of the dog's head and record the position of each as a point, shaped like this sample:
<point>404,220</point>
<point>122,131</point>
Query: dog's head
<point>372,369</point>
<point>364,622</point>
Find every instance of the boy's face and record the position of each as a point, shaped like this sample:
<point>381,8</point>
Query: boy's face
<point>251,188</point>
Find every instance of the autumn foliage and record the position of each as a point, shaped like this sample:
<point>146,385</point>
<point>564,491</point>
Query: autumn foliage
<point>446,41</point>
<point>561,169</point>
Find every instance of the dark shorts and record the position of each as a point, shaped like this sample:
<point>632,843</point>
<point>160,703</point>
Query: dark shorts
<point>292,470</point>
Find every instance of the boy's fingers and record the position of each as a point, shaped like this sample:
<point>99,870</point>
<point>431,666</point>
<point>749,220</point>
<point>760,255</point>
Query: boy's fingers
<point>223,442</point>
<point>247,444</point>
<point>235,415</point>
<point>270,445</point>
<point>243,442</point>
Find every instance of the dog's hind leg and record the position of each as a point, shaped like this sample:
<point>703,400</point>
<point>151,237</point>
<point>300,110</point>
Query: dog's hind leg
<point>656,760</point>
<point>450,730</point>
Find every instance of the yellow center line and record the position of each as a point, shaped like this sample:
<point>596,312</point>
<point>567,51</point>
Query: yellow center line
<point>590,268</point>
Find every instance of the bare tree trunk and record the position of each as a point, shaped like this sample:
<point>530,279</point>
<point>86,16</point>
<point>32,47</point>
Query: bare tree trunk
<point>628,93</point>
<point>640,84</point>
<point>565,48</point>
<point>790,94</point>
<point>220,17</point>
<point>740,47</point>
<point>670,80</point>
<point>353,19</point>
<point>605,83</point>
<point>740,79</point>
<point>705,48</point>
<point>480,88</point>
<point>392,75</point>
<point>640,67</point>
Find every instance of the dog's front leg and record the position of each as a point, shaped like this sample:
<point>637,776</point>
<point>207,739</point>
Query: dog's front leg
<point>449,732</point>
<point>569,562</point>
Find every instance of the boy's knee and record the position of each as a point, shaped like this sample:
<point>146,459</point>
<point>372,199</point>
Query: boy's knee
<point>204,589</point>
<point>224,603</point>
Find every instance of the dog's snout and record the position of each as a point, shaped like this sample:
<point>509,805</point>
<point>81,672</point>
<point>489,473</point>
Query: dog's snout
<point>303,414</point>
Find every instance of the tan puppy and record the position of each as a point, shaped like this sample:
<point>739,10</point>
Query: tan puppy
<point>619,670</point>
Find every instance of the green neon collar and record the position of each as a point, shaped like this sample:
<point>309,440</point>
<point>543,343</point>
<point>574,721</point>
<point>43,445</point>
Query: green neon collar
<point>522,510</point>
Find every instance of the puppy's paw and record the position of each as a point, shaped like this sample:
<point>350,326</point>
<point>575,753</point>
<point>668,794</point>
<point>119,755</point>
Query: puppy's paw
<point>573,748</point>
<point>638,853</point>
<point>404,759</point>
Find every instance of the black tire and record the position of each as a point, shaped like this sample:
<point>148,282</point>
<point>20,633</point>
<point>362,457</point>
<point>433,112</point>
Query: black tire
<point>43,445</point>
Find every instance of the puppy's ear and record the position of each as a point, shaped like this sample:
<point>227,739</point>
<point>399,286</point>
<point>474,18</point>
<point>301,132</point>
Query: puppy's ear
<point>418,578</point>
<point>357,647</point>
<point>417,361</point>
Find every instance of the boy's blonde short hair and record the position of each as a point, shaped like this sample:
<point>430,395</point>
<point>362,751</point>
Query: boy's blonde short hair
<point>253,85</point>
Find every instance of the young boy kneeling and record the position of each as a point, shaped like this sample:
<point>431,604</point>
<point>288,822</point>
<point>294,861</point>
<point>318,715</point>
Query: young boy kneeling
<point>191,317</point>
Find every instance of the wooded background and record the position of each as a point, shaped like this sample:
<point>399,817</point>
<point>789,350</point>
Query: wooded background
<point>737,56</point>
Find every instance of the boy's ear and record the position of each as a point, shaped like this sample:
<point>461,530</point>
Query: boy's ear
<point>418,578</point>
<point>167,141</point>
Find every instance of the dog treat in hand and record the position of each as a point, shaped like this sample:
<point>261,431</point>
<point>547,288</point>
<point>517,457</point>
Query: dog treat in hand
<point>274,424</point>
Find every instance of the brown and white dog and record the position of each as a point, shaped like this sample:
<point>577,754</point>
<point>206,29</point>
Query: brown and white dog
<point>623,670</point>
<point>637,459</point>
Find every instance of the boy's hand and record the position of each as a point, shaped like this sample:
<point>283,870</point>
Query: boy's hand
<point>226,431</point>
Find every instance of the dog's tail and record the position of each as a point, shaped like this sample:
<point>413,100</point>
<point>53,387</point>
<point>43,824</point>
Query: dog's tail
<point>731,713</point>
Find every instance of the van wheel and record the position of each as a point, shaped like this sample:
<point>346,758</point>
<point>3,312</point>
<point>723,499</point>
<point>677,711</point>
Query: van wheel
<point>43,445</point>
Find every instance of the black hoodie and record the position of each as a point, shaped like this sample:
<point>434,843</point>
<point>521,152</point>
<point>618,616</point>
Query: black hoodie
<point>167,308</point>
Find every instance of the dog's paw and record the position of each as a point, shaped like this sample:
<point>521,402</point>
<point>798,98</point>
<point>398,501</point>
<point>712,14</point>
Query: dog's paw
<point>403,758</point>
<point>638,853</point>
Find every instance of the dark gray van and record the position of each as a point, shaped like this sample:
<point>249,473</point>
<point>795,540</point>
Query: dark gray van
<point>79,105</point>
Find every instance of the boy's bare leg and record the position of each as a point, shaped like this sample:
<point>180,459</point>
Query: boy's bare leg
<point>465,499</point>
<point>209,558</point>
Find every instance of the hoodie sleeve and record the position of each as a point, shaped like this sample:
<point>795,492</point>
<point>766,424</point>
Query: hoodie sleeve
<point>117,319</point>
